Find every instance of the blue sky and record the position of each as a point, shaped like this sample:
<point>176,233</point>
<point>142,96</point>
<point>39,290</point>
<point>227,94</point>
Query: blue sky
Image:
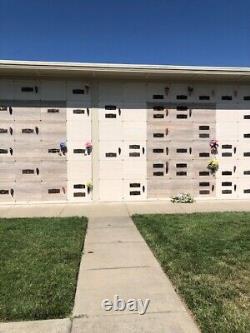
<point>178,32</point>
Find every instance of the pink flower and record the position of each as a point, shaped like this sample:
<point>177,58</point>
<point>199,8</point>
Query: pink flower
<point>214,144</point>
<point>88,144</point>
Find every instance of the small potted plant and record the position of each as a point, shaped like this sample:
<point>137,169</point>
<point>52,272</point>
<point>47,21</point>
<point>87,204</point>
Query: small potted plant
<point>213,165</point>
<point>89,186</point>
<point>214,146</point>
<point>63,148</point>
<point>88,147</point>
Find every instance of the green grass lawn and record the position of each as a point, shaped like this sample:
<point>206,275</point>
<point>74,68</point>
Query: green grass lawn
<point>207,257</point>
<point>39,262</point>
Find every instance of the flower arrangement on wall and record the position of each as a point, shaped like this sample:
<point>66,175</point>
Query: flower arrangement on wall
<point>89,186</point>
<point>213,165</point>
<point>63,148</point>
<point>182,198</point>
<point>214,146</point>
<point>88,147</point>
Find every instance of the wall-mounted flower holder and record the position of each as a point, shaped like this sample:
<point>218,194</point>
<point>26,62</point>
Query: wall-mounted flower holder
<point>87,88</point>
<point>89,187</point>
<point>63,148</point>
<point>214,146</point>
<point>166,89</point>
<point>190,90</point>
<point>88,147</point>
<point>213,165</point>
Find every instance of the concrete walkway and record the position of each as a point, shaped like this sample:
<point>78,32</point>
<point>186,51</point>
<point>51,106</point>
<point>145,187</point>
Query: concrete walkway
<point>144,207</point>
<point>117,261</point>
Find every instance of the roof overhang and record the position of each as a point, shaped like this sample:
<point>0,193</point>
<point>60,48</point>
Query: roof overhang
<point>40,69</point>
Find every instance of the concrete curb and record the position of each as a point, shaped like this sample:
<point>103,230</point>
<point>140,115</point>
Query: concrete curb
<point>38,326</point>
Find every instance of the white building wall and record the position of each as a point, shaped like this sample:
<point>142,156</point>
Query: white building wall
<point>126,121</point>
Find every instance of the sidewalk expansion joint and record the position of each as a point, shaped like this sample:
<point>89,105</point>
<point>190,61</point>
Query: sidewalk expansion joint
<point>80,316</point>
<point>109,268</point>
<point>112,227</point>
<point>116,313</point>
<point>115,242</point>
